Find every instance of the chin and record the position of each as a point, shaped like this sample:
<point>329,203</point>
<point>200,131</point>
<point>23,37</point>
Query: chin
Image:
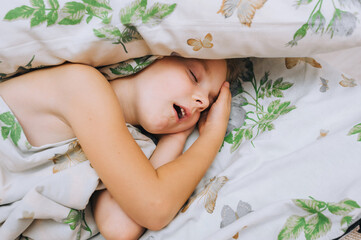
<point>156,127</point>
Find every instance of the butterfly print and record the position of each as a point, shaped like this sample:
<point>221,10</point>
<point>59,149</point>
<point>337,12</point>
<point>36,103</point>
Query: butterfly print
<point>347,82</point>
<point>324,86</point>
<point>292,62</point>
<point>198,44</point>
<point>229,215</point>
<point>246,9</point>
<point>209,193</point>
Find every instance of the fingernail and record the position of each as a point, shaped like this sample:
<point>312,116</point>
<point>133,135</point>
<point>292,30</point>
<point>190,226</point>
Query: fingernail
<point>226,84</point>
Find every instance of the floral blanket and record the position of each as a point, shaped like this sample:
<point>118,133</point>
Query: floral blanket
<point>289,165</point>
<point>45,191</point>
<point>292,170</point>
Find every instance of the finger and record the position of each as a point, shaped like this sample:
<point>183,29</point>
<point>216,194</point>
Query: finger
<point>225,93</point>
<point>203,117</point>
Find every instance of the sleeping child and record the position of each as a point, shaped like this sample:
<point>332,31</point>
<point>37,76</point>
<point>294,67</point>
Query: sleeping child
<point>167,99</point>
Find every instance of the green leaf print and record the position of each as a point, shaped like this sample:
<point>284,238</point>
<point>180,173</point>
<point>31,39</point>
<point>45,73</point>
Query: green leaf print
<point>342,208</point>
<point>108,32</point>
<point>38,18</point>
<point>21,69</point>
<point>133,12</point>
<point>54,4</point>
<point>19,12</point>
<point>21,237</point>
<point>261,117</point>
<point>315,223</point>
<point>356,130</point>
<point>38,3</point>
<point>351,203</point>
<point>74,12</point>
<point>229,138</point>
<point>308,205</point>
<point>131,16</point>
<point>346,220</point>
<point>128,69</point>
<point>51,17</point>
<point>13,129</point>
<point>123,70</point>
<point>98,3</point>
<point>5,131</point>
<point>7,118</point>
<point>29,64</point>
<point>317,226</point>
<point>292,228</point>
<point>76,219</point>
<point>37,12</point>
<point>15,133</point>
<point>237,139</point>
<point>129,34</point>
<point>342,23</point>
<point>113,34</point>
<point>274,89</point>
<point>157,12</point>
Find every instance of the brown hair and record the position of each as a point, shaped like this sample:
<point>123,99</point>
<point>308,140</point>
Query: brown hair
<point>234,67</point>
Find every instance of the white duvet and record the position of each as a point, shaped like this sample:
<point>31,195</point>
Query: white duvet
<point>298,179</point>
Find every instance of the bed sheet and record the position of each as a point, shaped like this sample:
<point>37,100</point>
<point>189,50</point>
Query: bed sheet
<point>292,170</point>
<point>45,191</point>
<point>344,60</point>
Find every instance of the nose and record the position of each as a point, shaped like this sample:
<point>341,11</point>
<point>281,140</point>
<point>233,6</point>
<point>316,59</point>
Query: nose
<point>201,101</point>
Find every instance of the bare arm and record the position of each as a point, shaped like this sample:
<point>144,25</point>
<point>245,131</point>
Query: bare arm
<point>150,197</point>
<point>169,147</point>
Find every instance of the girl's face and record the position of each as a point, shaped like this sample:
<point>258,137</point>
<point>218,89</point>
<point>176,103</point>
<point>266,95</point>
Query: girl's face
<point>174,91</point>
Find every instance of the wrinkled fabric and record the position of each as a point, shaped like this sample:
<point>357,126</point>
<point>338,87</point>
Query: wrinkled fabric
<point>45,191</point>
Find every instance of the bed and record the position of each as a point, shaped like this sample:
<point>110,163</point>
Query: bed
<point>289,167</point>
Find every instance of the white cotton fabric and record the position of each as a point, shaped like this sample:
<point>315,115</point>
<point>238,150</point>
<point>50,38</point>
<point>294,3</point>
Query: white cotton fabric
<point>272,25</point>
<point>37,194</point>
<point>292,161</point>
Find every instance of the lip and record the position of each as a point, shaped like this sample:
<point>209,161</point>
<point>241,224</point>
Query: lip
<point>186,111</point>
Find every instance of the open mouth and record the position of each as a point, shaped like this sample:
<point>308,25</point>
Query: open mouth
<point>180,111</point>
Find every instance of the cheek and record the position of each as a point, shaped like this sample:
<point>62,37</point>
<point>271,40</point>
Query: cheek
<point>154,125</point>
<point>153,119</point>
<point>176,84</point>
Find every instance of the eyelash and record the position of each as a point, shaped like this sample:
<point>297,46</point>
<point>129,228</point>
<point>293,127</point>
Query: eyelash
<point>194,77</point>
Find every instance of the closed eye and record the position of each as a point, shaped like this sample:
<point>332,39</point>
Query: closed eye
<point>194,77</point>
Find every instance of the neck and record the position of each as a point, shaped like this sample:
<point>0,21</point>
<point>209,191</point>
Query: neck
<point>126,94</point>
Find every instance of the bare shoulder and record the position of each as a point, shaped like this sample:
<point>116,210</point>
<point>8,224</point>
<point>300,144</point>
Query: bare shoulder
<point>48,98</point>
<point>73,90</point>
<point>91,107</point>
<point>84,92</point>
<point>55,84</point>
<point>78,80</point>
<point>66,87</point>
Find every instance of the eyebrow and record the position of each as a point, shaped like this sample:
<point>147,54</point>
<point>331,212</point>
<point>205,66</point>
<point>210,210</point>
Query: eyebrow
<point>203,62</point>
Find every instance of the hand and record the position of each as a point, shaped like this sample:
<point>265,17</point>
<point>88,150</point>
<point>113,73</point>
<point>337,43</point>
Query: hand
<point>216,118</point>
